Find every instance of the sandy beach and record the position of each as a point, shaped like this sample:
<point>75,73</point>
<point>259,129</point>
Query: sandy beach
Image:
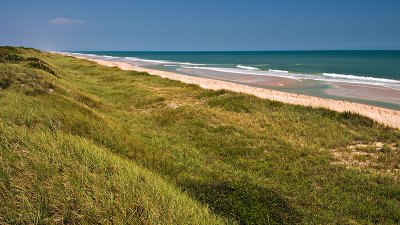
<point>384,116</point>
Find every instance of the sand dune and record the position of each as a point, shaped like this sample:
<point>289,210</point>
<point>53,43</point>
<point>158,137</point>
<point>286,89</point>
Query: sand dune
<point>387,117</point>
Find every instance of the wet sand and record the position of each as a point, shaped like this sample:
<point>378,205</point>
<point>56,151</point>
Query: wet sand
<point>365,91</point>
<point>243,78</point>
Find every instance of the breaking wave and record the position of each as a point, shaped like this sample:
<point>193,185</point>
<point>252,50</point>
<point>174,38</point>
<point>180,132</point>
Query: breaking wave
<point>247,67</point>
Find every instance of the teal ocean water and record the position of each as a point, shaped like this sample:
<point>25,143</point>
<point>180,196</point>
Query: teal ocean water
<point>320,68</point>
<point>378,64</point>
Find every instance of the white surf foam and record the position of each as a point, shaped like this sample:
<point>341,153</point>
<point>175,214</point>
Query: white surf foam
<point>278,71</point>
<point>242,71</point>
<point>247,67</point>
<point>162,62</point>
<point>327,77</point>
<point>362,78</point>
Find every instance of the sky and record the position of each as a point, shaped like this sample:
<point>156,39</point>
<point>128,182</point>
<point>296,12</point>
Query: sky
<point>204,25</point>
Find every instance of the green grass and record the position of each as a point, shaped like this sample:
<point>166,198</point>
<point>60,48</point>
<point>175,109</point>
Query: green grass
<point>83,143</point>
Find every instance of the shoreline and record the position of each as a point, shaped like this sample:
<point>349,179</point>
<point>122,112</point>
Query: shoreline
<point>378,96</point>
<point>381,115</point>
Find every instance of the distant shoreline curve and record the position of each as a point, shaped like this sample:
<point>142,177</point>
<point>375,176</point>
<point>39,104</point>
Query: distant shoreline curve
<point>384,116</point>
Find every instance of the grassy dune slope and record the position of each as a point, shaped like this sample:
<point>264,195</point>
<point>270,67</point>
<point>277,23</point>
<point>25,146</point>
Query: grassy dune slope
<point>85,143</point>
<point>51,173</point>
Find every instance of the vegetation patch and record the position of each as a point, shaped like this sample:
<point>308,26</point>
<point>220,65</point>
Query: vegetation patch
<point>13,58</point>
<point>12,55</point>
<point>5,80</point>
<point>356,119</point>
<point>41,65</point>
<point>89,101</point>
<point>30,84</point>
<point>245,203</point>
<point>240,103</point>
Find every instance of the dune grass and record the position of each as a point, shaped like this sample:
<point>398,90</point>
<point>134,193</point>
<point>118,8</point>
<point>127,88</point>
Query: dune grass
<point>48,176</point>
<point>84,143</point>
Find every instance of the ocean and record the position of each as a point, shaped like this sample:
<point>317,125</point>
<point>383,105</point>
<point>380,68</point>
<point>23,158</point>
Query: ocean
<point>321,69</point>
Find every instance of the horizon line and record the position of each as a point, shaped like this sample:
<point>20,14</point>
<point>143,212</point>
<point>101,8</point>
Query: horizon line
<point>288,50</point>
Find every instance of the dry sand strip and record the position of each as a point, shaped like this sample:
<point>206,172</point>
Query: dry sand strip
<point>387,117</point>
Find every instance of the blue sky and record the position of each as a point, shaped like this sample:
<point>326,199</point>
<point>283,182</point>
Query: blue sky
<point>201,25</point>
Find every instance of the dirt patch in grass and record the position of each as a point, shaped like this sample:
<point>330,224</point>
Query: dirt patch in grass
<point>375,157</point>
